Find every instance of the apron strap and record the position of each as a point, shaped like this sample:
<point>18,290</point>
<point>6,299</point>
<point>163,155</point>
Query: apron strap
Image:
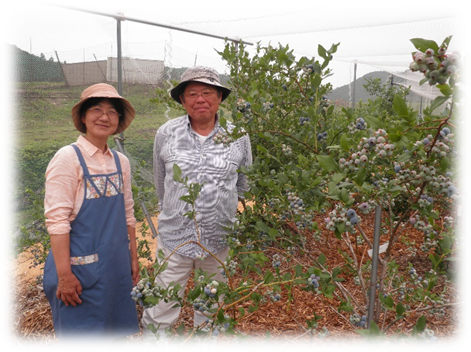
<point>116,159</point>
<point>86,172</point>
<point>82,161</point>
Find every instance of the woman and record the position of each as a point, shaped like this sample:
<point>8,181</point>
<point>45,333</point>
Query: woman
<point>93,264</point>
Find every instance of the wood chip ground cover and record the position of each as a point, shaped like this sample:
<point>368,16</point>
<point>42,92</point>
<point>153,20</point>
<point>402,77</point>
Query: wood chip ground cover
<point>32,317</point>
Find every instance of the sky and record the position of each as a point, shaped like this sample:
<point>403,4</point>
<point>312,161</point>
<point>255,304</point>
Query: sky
<point>376,37</point>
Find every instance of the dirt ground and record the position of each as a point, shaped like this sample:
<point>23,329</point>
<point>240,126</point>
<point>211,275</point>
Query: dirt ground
<point>33,320</point>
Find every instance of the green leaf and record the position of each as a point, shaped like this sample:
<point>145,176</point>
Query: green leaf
<point>400,106</point>
<point>333,48</point>
<point>446,41</point>
<point>344,195</point>
<point>445,244</point>
<point>335,272</point>
<point>420,325</point>
<point>272,233</point>
<point>445,89</point>
<point>400,310</point>
<point>298,270</point>
<point>345,306</point>
<point>321,259</point>
<point>177,173</point>
<point>374,122</point>
<point>344,142</point>
<point>388,301</point>
<point>424,44</point>
<point>444,163</point>
<point>268,277</point>
<point>262,226</point>
<point>328,163</point>
<point>321,51</point>
<point>223,122</point>
<point>361,176</point>
<point>241,312</point>
<point>437,102</point>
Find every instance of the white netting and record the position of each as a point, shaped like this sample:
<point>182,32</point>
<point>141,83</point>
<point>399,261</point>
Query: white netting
<point>371,39</point>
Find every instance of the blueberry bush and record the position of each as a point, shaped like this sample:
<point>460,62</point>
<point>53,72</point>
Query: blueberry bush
<point>319,174</point>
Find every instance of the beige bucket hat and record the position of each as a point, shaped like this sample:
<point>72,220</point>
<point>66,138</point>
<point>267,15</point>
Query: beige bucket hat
<point>201,74</point>
<point>103,90</point>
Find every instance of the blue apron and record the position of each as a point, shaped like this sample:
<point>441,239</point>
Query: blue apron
<point>101,260</point>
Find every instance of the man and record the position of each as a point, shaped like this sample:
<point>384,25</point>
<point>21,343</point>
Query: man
<point>188,141</point>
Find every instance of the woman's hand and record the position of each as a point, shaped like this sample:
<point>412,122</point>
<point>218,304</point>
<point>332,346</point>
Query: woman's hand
<point>135,271</point>
<point>134,258</point>
<point>69,290</point>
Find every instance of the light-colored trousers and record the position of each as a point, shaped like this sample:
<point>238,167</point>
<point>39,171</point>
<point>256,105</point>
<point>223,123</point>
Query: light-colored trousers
<point>179,269</point>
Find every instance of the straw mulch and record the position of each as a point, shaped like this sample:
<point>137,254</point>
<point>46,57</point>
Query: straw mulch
<point>282,319</point>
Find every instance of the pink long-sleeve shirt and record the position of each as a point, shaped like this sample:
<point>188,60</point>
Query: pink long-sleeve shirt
<point>65,186</point>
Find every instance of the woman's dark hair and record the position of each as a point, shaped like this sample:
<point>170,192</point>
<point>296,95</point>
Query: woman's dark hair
<point>95,101</point>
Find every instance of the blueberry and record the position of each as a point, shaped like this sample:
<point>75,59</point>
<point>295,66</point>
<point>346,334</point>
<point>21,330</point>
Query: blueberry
<point>354,220</point>
<point>425,141</point>
<point>452,190</point>
<point>351,213</point>
<point>397,168</point>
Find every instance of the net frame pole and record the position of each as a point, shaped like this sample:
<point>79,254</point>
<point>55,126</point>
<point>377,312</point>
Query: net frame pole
<point>121,17</point>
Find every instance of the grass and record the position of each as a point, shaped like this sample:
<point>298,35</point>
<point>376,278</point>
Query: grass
<point>43,124</point>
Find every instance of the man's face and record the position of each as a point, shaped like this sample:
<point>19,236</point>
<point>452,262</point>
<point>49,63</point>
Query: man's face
<point>201,101</point>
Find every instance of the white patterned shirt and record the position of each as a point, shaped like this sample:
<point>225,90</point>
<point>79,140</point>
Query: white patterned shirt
<point>213,165</point>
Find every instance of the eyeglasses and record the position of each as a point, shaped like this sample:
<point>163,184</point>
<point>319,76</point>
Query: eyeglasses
<point>192,95</point>
<point>97,112</point>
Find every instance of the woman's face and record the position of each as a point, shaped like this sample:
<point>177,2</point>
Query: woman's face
<point>101,120</point>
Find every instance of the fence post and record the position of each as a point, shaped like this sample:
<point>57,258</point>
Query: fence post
<point>143,205</point>
<point>374,269</point>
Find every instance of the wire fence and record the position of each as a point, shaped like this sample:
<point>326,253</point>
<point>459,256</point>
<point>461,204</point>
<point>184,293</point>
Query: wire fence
<point>37,103</point>
<point>50,83</point>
